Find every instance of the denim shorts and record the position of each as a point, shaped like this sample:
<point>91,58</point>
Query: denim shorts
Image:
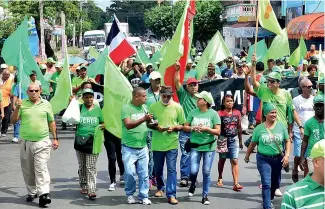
<point>233,148</point>
<point>297,141</point>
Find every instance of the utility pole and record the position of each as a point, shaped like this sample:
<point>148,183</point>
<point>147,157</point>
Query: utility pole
<point>80,32</point>
<point>63,39</point>
<point>43,55</point>
<point>74,34</point>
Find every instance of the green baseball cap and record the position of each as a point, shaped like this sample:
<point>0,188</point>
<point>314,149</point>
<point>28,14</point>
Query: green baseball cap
<point>87,91</point>
<point>318,150</point>
<point>319,99</point>
<point>276,69</point>
<point>50,60</point>
<point>58,65</point>
<point>42,66</point>
<point>207,96</point>
<point>321,81</point>
<point>275,75</point>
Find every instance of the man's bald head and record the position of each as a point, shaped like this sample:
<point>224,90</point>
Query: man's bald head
<point>137,90</point>
<point>34,86</point>
<point>5,75</point>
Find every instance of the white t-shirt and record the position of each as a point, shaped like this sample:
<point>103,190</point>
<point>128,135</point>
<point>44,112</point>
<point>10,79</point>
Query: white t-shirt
<point>304,108</point>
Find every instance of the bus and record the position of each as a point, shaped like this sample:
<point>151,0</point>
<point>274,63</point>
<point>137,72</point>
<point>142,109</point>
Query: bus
<point>93,38</point>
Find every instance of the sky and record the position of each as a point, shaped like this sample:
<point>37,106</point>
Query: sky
<point>102,4</point>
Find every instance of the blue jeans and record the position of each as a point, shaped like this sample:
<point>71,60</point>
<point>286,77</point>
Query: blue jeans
<point>135,162</point>
<point>251,117</point>
<point>208,158</point>
<point>17,129</point>
<point>171,159</point>
<point>150,164</point>
<point>270,170</point>
<point>185,163</point>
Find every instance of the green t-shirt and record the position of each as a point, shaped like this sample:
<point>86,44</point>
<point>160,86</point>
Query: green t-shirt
<point>55,78</point>
<point>77,81</point>
<point>190,74</point>
<point>304,194</point>
<point>151,97</point>
<point>34,119</point>
<point>210,118</point>
<point>315,131</point>
<point>89,120</point>
<point>136,137</point>
<point>167,116</point>
<point>266,144</point>
<point>186,100</point>
<point>282,101</point>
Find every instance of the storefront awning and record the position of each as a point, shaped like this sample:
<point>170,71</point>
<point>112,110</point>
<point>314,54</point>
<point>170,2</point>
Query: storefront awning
<point>307,26</point>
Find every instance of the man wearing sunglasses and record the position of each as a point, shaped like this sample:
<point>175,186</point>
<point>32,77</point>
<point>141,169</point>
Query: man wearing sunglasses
<point>188,102</point>
<point>304,107</point>
<point>170,117</point>
<point>36,118</point>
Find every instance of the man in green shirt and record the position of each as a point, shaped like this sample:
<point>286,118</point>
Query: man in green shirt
<point>170,117</point>
<point>308,193</point>
<point>134,146</point>
<point>188,102</point>
<point>55,77</point>
<point>314,132</point>
<point>321,86</point>
<point>47,78</point>
<point>77,81</point>
<point>36,118</point>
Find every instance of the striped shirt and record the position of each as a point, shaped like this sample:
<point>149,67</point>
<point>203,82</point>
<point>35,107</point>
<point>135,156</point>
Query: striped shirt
<point>304,194</point>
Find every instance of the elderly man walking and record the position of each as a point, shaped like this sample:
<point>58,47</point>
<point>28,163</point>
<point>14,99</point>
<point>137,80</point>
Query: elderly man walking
<point>36,118</point>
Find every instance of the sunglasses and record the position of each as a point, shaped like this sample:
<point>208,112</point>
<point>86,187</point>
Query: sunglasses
<point>166,96</point>
<point>309,87</point>
<point>31,91</point>
<point>271,81</point>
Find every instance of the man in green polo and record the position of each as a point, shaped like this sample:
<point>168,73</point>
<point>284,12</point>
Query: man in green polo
<point>36,118</point>
<point>77,81</point>
<point>309,192</point>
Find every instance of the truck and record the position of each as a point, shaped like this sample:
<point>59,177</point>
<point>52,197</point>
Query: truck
<point>124,27</point>
<point>93,38</point>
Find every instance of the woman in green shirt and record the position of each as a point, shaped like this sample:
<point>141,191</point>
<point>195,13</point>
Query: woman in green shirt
<point>90,118</point>
<point>269,138</point>
<point>204,124</point>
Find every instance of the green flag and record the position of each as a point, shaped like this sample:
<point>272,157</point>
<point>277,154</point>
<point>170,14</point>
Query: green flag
<point>299,53</point>
<point>62,94</point>
<point>321,64</point>
<point>267,17</point>
<point>163,49</point>
<point>155,58</point>
<point>261,50</point>
<point>117,92</point>
<point>98,67</point>
<point>93,53</point>
<point>16,52</point>
<point>215,52</point>
<point>142,56</point>
<point>279,47</point>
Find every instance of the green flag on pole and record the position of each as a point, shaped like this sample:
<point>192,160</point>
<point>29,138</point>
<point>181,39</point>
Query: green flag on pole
<point>117,92</point>
<point>299,53</point>
<point>163,49</point>
<point>279,47</point>
<point>215,52</point>
<point>93,53</point>
<point>267,17</point>
<point>63,91</point>
<point>142,56</point>
<point>261,50</point>
<point>155,59</point>
<point>98,67</point>
<point>16,52</point>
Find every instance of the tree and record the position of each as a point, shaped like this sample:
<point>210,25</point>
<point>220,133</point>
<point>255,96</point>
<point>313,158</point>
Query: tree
<point>163,20</point>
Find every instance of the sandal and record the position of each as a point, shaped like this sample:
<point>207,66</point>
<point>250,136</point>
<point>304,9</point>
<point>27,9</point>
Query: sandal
<point>237,187</point>
<point>219,183</point>
<point>84,191</point>
<point>92,196</point>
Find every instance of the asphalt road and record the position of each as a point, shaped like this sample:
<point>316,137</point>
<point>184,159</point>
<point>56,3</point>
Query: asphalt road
<point>65,190</point>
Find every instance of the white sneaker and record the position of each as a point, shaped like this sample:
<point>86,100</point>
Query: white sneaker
<point>278,193</point>
<point>3,135</point>
<point>131,200</point>
<point>145,201</point>
<point>15,140</point>
<point>112,187</point>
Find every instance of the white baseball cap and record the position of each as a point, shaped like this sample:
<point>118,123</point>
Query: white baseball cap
<point>4,66</point>
<point>154,75</point>
<point>189,61</point>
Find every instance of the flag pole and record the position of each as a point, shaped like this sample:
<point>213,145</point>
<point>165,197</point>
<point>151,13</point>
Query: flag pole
<point>256,30</point>
<point>67,57</point>
<point>20,70</point>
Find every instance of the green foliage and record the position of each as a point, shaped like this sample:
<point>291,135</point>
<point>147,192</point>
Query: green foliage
<point>73,51</point>
<point>162,20</point>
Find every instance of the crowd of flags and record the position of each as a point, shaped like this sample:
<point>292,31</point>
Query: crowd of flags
<point>117,89</point>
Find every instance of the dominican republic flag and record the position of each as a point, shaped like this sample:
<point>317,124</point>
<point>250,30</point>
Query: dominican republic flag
<point>119,47</point>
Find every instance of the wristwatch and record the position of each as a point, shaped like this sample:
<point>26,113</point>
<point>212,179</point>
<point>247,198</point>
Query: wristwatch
<point>300,127</point>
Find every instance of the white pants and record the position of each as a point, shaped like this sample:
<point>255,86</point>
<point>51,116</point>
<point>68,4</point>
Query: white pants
<point>33,159</point>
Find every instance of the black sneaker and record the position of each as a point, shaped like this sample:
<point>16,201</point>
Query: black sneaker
<point>31,198</point>
<point>205,201</point>
<point>44,199</point>
<point>191,191</point>
<point>184,183</point>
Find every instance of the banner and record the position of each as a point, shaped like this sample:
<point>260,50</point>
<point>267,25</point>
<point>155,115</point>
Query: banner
<point>219,88</point>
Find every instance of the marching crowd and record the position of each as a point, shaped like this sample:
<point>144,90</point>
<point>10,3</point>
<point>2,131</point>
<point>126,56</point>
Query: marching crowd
<point>154,126</point>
